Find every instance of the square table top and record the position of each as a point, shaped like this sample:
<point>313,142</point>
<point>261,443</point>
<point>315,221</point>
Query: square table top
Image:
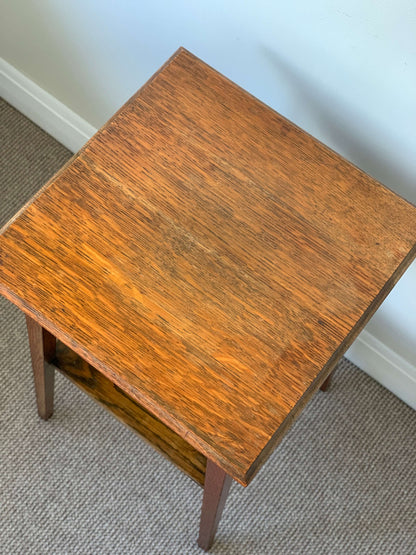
<point>209,257</point>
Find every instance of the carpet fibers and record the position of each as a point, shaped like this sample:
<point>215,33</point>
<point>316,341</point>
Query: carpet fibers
<point>342,481</point>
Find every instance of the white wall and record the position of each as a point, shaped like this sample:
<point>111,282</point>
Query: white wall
<point>344,70</point>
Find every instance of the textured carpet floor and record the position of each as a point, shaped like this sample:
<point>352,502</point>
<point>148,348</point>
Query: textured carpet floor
<point>342,481</point>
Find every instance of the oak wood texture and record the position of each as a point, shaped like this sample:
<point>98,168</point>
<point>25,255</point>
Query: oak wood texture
<point>167,442</point>
<point>44,377</point>
<point>210,258</point>
<point>216,488</point>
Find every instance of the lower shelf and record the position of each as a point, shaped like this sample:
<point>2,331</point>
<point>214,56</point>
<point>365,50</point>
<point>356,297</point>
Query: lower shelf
<point>170,444</point>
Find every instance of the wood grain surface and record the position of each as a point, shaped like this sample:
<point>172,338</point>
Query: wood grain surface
<point>210,258</point>
<point>167,442</point>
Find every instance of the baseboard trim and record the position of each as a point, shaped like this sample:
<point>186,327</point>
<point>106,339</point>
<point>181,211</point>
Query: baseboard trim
<point>385,366</point>
<point>43,109</point>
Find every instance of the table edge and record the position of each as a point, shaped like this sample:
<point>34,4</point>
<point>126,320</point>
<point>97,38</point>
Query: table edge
<point>240,474</point>
<point>331,363</point>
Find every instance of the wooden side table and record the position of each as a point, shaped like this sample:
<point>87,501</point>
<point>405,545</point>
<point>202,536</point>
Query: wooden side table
<point>199,268</point>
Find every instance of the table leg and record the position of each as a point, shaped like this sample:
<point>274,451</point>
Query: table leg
<point>42,346</point>
<point>327,382</point>
<point>216,487</point>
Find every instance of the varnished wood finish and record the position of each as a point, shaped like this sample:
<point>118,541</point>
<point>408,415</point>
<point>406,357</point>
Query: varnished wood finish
<point>216,488</point>
<point>44,377</point>
<point>213,260</point>
<point>130,413</point>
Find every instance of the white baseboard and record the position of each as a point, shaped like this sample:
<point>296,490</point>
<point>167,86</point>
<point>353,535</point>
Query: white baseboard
<point>384,365</point>
<point>367,352</point>
<point>43,109</point>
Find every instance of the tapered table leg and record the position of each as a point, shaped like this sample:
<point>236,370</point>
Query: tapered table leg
<point>42,346</point>
<point>216,488</point>
<point>327,382</point>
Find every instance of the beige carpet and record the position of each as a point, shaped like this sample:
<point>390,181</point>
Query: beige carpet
<point>342,481</point>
